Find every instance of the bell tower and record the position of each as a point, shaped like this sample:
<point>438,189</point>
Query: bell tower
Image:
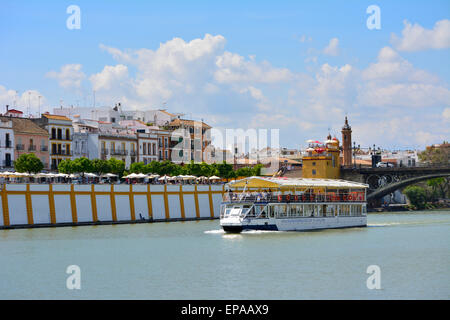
<point>347,143</point>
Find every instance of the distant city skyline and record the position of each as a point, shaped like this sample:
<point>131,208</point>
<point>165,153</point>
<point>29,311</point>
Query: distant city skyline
<point>298,67</point>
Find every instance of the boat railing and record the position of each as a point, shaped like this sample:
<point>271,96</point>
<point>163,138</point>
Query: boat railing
<point>237,197</point>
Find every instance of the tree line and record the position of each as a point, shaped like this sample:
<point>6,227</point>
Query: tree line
<point>31,163</point>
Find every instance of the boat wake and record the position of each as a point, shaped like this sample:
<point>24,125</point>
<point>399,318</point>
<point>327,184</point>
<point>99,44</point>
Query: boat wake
<point>220,231</point>
<point>411,223</point>
<point>387,224</point>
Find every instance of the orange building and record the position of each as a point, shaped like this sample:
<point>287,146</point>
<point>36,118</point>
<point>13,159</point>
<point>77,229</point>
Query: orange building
<point>322,161</point>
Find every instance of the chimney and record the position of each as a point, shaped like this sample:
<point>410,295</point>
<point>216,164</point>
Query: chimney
<point>7,108</point>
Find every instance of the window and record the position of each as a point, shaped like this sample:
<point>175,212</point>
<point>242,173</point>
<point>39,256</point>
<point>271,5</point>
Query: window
<point>314,171</point>
<point>144,145</point>
<point>166,156</point>
<point>67,134</point>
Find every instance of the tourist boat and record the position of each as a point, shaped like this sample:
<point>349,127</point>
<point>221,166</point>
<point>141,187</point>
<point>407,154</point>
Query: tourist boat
<point>288,204</point>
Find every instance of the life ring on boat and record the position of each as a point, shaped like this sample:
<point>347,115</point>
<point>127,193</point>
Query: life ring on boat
<point>288,197</point>
<point>280,198</point>
<point>296,198</point>
<point>350,198</point>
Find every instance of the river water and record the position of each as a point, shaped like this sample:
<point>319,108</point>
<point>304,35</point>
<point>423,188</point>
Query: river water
<point>196,260</point>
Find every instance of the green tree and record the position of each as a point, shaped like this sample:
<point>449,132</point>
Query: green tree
<point>116,166</point>
<point>100,166</point>
<point>138,167</point>
<point>225,170</point>
<point>153,167</point>
<point>28,163</point>
<point>81,165</point>
<point>439,186</point>
<point>257,170</point>
<point>244,172</point>
<point>416,195</point>
<point>435,155</point>
<point>65,166</point>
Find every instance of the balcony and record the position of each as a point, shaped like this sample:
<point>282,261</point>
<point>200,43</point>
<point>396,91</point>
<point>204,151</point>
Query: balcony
<point>7,163</point>
<point>119,152</point>
<point>44,148</point>
<point>61,153</point>
<point>60,138</point>
<point>104,152</point>
<point>20,147</point>
<point>133,153</point>
<point>32,147</point>
<point>8,144</point>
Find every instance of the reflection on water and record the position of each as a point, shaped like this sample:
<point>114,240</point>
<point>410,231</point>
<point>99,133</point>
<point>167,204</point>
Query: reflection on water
<point>197,260</point>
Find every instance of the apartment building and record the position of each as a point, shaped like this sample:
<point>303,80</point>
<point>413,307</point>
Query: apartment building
<point>6,143</point>
<point>28,137</point>
<point>60,132</point>
<point>199,135</point>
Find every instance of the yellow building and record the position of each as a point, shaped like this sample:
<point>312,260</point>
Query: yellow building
<point>322,161</point>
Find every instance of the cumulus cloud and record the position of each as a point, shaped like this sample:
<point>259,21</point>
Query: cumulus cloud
<point>233,68</point>
<point>110,77</point>
<point>333,47</point>
<point>69,76</point>
<point>394,81</point>
<point>416,38</point>
<point>446,114</point>
<point>29,102</point>
<point>203,80</point>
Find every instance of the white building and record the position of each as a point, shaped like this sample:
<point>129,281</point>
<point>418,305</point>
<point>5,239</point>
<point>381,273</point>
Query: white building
<point>120,146</point>
<point>116,114</point>
<point>148,146</point>
<point>6,143</point>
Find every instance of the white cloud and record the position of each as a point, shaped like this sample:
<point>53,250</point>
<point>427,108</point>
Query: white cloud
<point>233,68</point>
<point>333,47</point>
<point>70,76</point>
<point>30,101</point>
<point>110,77</point>
<point>416,38</point>
<point>203,80</point>
<point>394,81</point>
<point>446,114</point>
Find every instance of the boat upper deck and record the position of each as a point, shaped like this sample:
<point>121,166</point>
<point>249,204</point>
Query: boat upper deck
<point>265,197</point>
<point>286,190</point>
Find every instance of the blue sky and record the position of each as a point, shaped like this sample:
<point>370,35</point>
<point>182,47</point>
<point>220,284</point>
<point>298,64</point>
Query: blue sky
<point>257,64</point>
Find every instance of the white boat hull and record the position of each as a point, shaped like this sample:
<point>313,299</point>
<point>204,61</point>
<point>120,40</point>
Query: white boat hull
<point>238,224</point>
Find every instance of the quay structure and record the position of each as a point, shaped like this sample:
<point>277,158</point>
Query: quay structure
<point>53,205</point>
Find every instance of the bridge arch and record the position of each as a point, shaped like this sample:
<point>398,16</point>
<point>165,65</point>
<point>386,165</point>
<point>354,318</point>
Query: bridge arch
<point>381,192</point>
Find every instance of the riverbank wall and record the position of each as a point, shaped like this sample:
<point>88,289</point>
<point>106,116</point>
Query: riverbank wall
<point>41,205</point>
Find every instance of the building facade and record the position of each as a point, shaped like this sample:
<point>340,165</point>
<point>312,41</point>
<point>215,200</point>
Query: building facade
<point>120,146</point>
<point>60,132</point>
<point>6,143</point>
<point>322,161</point>
<point>30,138</point>
<point>199,136</point>
<point>148,150</point>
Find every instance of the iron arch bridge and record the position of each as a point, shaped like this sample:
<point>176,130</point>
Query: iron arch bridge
<point>383,181</point>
